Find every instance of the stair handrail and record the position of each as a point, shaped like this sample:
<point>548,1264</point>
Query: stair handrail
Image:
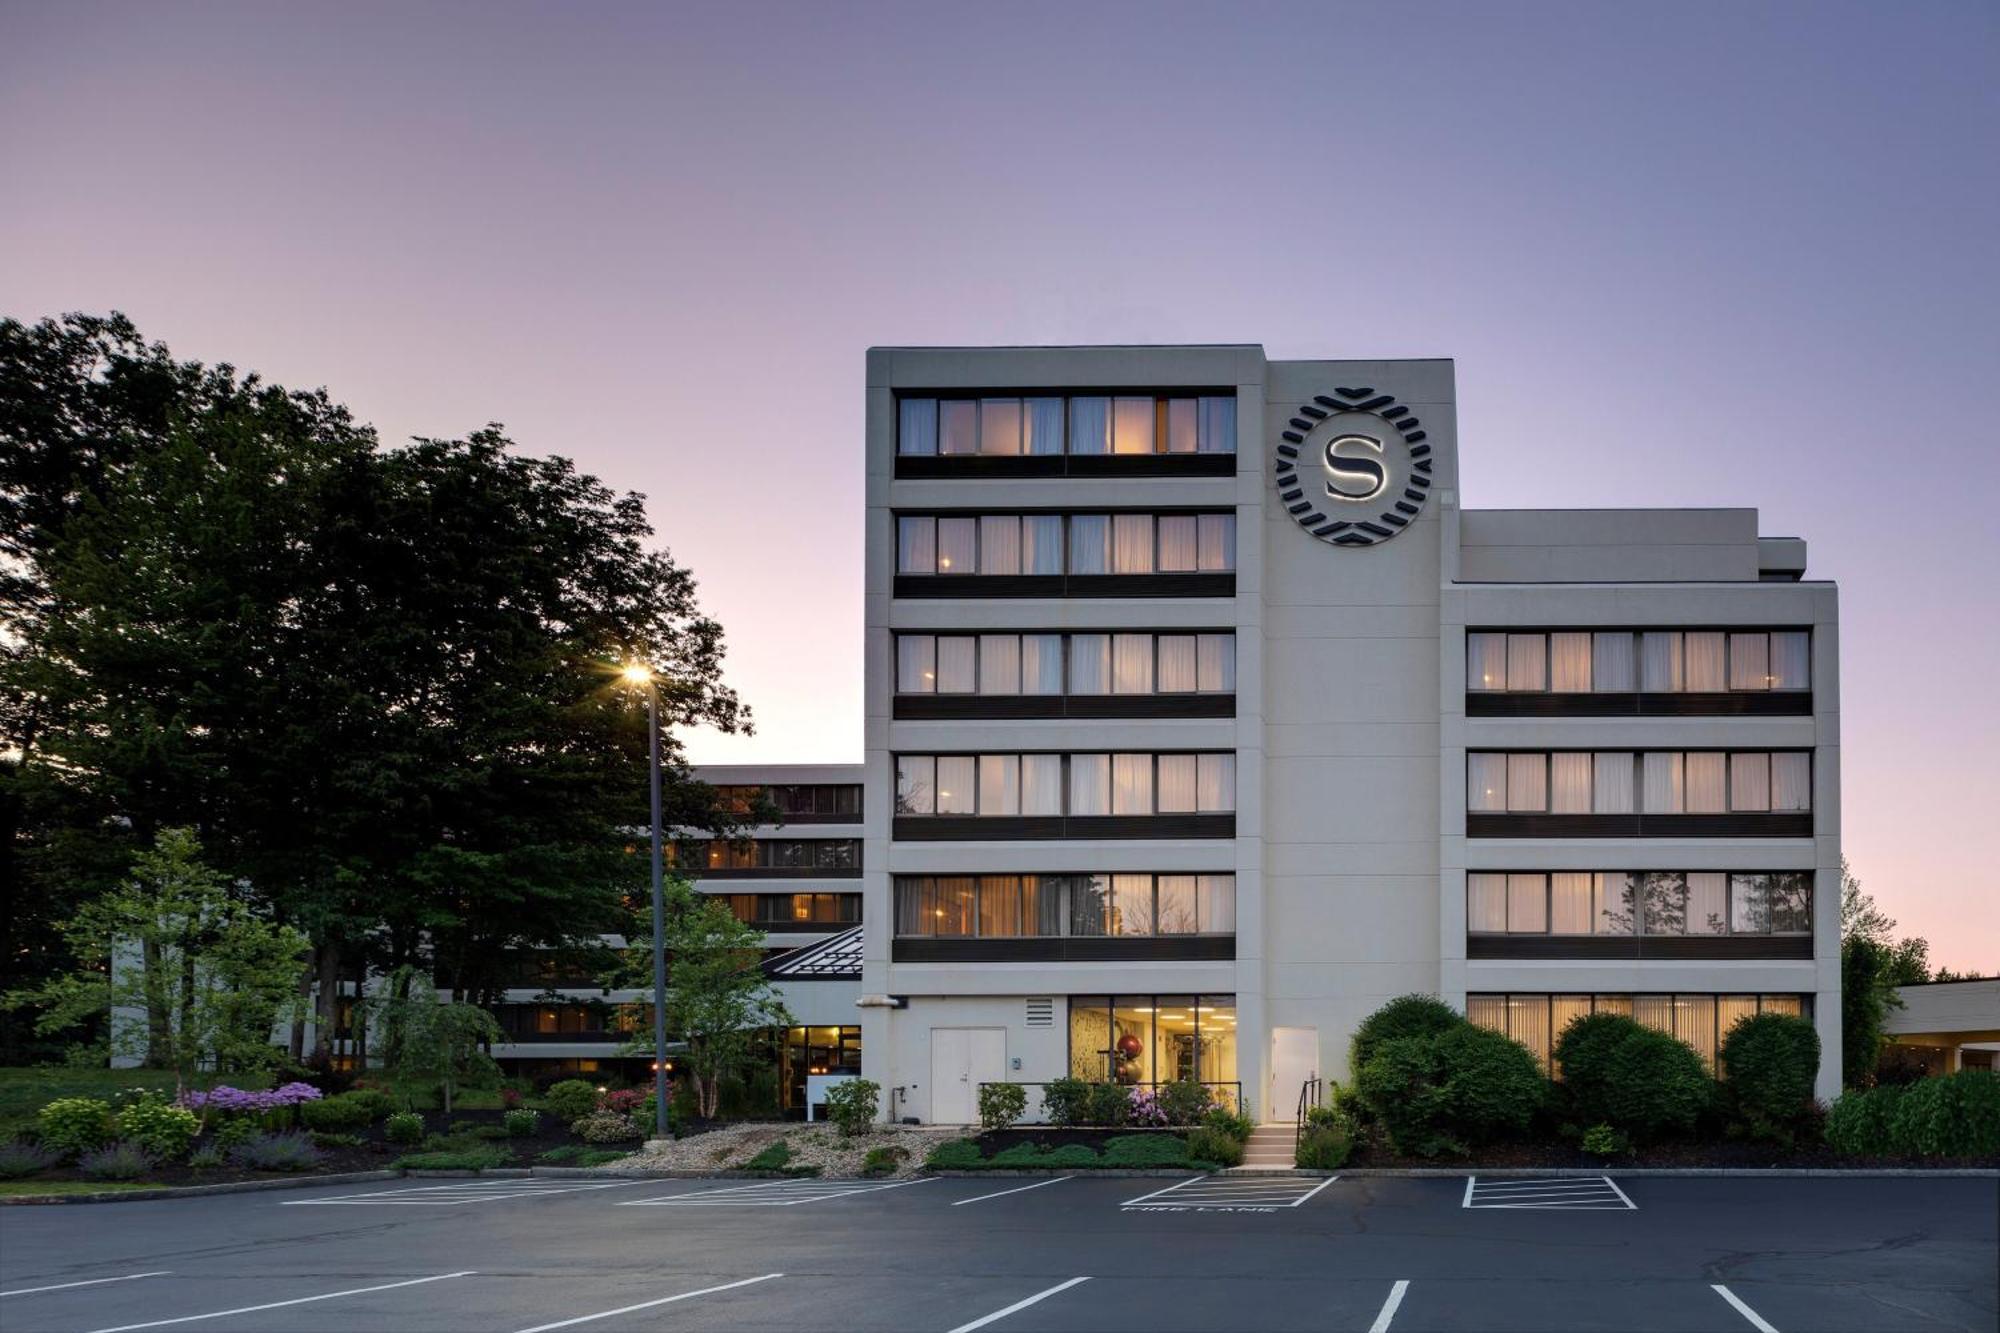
<point>1310,1094</point>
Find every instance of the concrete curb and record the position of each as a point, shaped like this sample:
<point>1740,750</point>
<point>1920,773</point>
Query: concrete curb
<point>202,1191</point>
<point>1752,1172</point>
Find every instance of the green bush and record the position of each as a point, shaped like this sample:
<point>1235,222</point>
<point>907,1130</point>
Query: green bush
<point>19,1159</point>
<point>323,1140</point>
<point>114,1161</point>
<point>1323,1148</point>
<point>1036,1156</point>
<point>851,1105</point>
<point>1214,1145</point>
<point>379,1105</point>
<point>1065,1101</point>
<point>159,1127</point>
<point>601,1157</point>
<point>71,1125</point>
<point>462,1159</point>
<point>1001,1104</point>
<point>1184,1101</point>
<point>566,1152</point>
<point>1327,1117</point>
<point>1404,1016</point>
<point>606,1127</point>
<point>233,1131</point>
<point>403,1127</point>
<point>1107,1104</point>
<point>1769,1063</point>
<point>1638,1080</point>
<point>1859,1123</point>
<point>884,1161</point>
<point>1238,1127</point>
<point>1604,1141</point>
<point>521,1123</point>
<point>570,1100</point>
<point>954,1155</point>
<point>1953,1115</point>
<point>207,1158</point>
<point>1446,1091</point>
<point>774,1157</point>
<point>337,1115</point>
<point>283,1150</point>
<point>1145,1150</point>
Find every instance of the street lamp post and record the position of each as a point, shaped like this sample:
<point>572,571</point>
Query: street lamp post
<point>637,674</point>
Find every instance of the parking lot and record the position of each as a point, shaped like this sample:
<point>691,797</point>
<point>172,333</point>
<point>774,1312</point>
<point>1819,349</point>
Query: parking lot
<point>1019,1256</point>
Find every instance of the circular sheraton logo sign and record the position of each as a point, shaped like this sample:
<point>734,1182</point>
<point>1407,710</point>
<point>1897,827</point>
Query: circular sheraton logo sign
<point>1353,467</point>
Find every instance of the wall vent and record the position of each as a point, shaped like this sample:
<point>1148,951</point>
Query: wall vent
<point>1042,1013</point>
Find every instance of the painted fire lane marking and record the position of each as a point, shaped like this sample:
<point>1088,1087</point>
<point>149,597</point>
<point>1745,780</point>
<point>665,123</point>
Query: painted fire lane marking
<point>1565,1193</point>
<point>1218,1194</point>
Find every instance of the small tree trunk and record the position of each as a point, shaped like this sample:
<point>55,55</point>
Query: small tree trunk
<point>298,1043</point>
<point>326,1011</point>
<point>159,1030</point>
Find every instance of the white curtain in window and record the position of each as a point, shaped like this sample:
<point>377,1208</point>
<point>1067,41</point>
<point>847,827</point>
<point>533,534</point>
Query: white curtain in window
<point>1090,544</point>
<point>1041,664</point>
<point>1486,783</point>
<point>1132,425</point>
<point>1791,660</point>
<point>916,427</point>
<point>1527,662</point>
<point>1218,904</point>
<point>1570,903</point>
<point>1749,661</point>
<point>1694,1023</point>
<point>1000,664</point>
<point>1218,426</point>
<point>1791,780</point>
<point>1216,673</point>
<point>1131,543</point>
<point>1131,784</point>
<point>1614,904</point>
<point>1183,431</point>
<point>999,784</point>
<point>1218,542</point>
<point>1090,664</point>
<point>1705,661</point>
<point>957,543</point>
<point>1528,1023</point>
<point>1178,543</point>
<point>1131,905</point>
<point>1178,784</point>
<point>1486,904</point>
<point>958,426</point>
<point>957,780</point>
<point>1527,783</point>
<point>916,784</point>
<point>957,664</point>
<point>1781,1004</point>
<point>1665,778</point>
<point>1178,669</point>
<point>1485,661</point>
<point>1707,782</point>
<point>1090,425</point>
<point>1611,783</point>
<point>1611,663</point>
<point>1527,905</point>
<point>1000,544</point>
<point>916,546</point>
<point>916,664</point>
<point>1043,426</point>
<point>1488,1011</point>
<point>1042,544</point>
<point>1570,783</point>
<point>1090,784</point>
<point>1041,784</point>
<point>1569,664</point>
<point>1000,426</point>
<point>1131,664</point>
<point>1707,903</point>
<point>1663,666</point>
<point>1174,910</point>
<point>1216,784</point>
<point>1654,1011</point>
<point>1750,781</point>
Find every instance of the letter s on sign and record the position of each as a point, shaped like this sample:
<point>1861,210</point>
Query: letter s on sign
<point>1354,478</point>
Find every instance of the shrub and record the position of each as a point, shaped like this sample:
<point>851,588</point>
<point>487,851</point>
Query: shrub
<point>456,1159</point>
<point>1327,1117</point>
<point>403,1127</point>
<point>70,1125</point>
<point>285,1150</point>
<point>489,1132</point>
<point>159,1127</point>
<point>1213,1145</point>
<point>520,1122</point>
<point>606,1127</point>
<point>1107,1104</point>
<point>1065,1101</point>
<point>1323,1148</point>
<point>851,1104</point>
<point>20,1158</point>
<point>1035,1156</point>
<point>1954,1115</point>
<point>510,1097</point>
<point>883,1161</point>
<point>1238,1127</point>
<point>1620,1073</point>
<point>570,1100</point>
<point>1404,1016</point>
<point>566,1152</point>
<point>379,1104</point>
<point>1444,1092</point>
<point>324,1140</point>
<point>337,1115</point>
<point>1604,1141</point>
<point>1770,1061</point>
<point>1001,1104</point>
<point>1145,1150</point>
<point>774,1157</point>
<point>207,1158</point>
<point>232,1130</point>
<point>954,1155</point>
<point>115,1161</point>
<point>1858,1123</point>
<point>1184,1101</point>
<point>601,1156</point>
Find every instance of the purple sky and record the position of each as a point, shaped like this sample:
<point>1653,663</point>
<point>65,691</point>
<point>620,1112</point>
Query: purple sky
<point>1705,255</point>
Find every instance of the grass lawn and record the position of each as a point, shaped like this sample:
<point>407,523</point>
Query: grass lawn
<point>11,1187</point>
<point>24,1091</point>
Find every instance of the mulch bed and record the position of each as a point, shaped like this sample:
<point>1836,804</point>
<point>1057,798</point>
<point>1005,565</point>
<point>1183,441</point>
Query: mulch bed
<point>1051,1136</point>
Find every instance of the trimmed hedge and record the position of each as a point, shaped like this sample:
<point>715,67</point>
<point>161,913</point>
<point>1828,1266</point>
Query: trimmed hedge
<point>338,1115</point>
<point>1145,1151</point>
<point>1404,1016</point>
<point>1620,1073</point>
<point>1769,1062</point>
<point>1444,1092</point>
<point>1205,1144</point>
<point>1955,1115</point>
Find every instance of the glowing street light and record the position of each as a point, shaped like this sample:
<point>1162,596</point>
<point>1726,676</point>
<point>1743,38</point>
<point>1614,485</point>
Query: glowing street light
<point>640,676</point>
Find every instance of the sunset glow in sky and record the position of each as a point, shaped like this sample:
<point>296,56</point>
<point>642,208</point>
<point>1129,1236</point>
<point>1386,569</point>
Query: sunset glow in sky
<point>1683,255</point>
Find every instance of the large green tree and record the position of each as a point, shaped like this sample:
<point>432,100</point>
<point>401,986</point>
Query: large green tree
<point>1873,963</point>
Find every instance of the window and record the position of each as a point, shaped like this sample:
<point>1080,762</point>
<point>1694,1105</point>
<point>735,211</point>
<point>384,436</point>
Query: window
<point>1054,906</point>
<point>745,856</point>
<point>1649,902</point>
<point>1145,1040</point>
<point>1621,661</point>
<point>1668,782</point>
<point>1016,544</point>
<point>1002,427</point>
<point>1032,664</point>
<point>1715,782</point>
<point>1701,1020</point>
<point>1004,785</point>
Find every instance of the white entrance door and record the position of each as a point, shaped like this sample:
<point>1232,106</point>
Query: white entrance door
<point>1294,1059</point>
<point>962,1059</point>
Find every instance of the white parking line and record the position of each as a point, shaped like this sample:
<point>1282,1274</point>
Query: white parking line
<point>275,1305</point>
<point>1019,1189</point>
<point>1232,1192</point>
<point>463,1192</point>
<point>1573,1194</point>
<point>93,1282</point>
<point>770,1194</point>
<point>1389,1307</point>
<point>647,1305</point>
<point>1756,1320</point>
<point>984,1320</point>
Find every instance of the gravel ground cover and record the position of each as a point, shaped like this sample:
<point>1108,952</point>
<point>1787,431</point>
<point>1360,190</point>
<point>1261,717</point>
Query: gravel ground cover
<point>822,1146</point>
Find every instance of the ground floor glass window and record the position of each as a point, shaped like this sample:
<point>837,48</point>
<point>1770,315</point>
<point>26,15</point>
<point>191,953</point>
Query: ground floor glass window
<point>1702,1021</point>
<point>1140,1040</point>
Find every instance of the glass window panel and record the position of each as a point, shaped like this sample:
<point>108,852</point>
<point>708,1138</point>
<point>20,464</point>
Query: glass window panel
<point>1000,914</point>
<point>1041,664</point>
<point>916,546</point>
<point>1705,655</point>
<point>1089,905</point>
<point>1707,782</point>
<point>1131,905</point>
<point>1528,1023</point>
<point>1090,664</point>
<point>957,664</point>
<point>1694,1023</point>
<point>1218,542</point>
<point>1611,664</point>
<point>1218,426</point>
<point>1749,781</point>
<point>1090,544</point>
<point>1663,665</point>
<point>1611,783</point>
<point>1042,544</point>
<point>1044,898</point>
<point>1488,1011</point>
<point>1527,905</point>
<point>1132,425</point>
<point>1666,900</point>
<point>1173,1037</point>
<point>1000,426</point>
<point>1175,906</point>
<point>1612,1004</point>
<point>1654,1011</point>
<point>1090,425</point>
<point>999,784</point>
<point>1218,904</point>
<point>1614,899</point>
<point>1527,662</point>
<point>1569,663</point>
<point>1563,1010</point>
<point>1708,903</point>
<point>1791,780</point>
<point>954,905</point>
<point>1177,784</point>
<point>916,785</point>
<point>1179,543</point>
<point>916,664</point>
<point>1570,782</point>
<point>1132,1040</point>
<point>1000,544</point>
<point>1090,1038</point>
<point>1131,543</point>
<point>958,426</point>
<point>1729,1011</point>
<point>1486,904</point>
<point>916,427</point>
<point>1791,902</point>
<point>1571,897</point>
<point>1131,664</point>
<point>1782,1004</point>
<point>1664,782</point>
<point>957,543</point>
<point>911,918</point>
<point>1041,784</point>
<point>1042,426</point>
<point>1178,669</point>
<point>1527,782</point>
<point>1485,661</point>
<point>1000,664</point>
<point>1131,784</point>
<point>1791,660</point>
<point>957,776</point>
<point>1749,661</point>
<point>1216,779</point>
<point>1756,902</point>
<point>1090,784</point>
<point>1183,426</point>
<point>1486,783</point>
<point>1216,671</point>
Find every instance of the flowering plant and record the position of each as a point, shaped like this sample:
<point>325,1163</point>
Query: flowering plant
<point>1146,1108</point>
<point>242,1101</point>
<point>624,1101</point>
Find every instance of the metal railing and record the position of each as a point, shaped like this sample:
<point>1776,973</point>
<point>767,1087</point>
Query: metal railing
<point>1226,1093</point>
<point>1311,1092</point>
